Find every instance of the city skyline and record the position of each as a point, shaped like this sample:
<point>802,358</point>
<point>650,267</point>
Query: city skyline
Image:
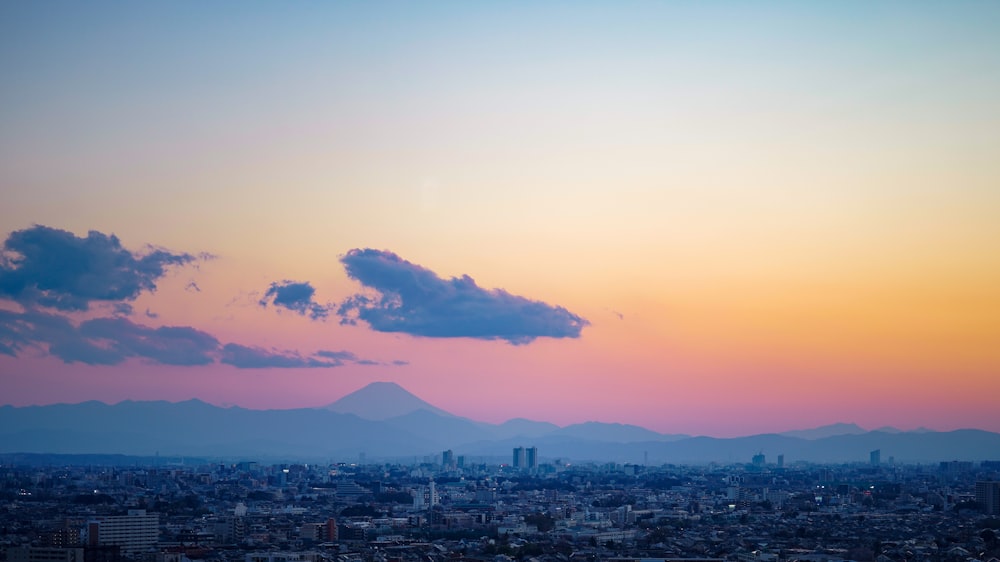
<point>710,219</point>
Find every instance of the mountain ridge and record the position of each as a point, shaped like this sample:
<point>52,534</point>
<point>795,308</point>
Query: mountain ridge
<point>412,427</point>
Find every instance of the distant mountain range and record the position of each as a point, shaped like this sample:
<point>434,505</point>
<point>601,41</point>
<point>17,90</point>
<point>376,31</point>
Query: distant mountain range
<point>384,421</point>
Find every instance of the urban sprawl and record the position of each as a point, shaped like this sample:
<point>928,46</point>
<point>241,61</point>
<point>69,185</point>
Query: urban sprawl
<point>450,508</point>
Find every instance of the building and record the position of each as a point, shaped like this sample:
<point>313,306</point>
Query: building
<point>36,554</point>
<point>988,496</point>
<point>133,533</point>
<point>875,457</point>
<point>531,457</point>
<point>52,554</point>
<point>519,458</point>
<point>448,459</point>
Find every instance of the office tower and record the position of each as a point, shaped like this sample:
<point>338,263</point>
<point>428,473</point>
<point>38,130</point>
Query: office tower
<point>875,457</point>
<point>531,457</point>
<point>519,457</point>
<point>448,458</point>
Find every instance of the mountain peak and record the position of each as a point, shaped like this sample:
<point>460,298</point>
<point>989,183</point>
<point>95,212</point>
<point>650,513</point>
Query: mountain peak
<point>831,430</point>
<point>382,401</point>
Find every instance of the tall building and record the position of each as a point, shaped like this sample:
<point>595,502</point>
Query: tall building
<point>781,461</point>
<point>531,457</point>
<point>519,457</point>
<point>988,496</point>
<point>448,459</point>
<point>875,457</point>
<point>759,460</point>
<point>133,533</point>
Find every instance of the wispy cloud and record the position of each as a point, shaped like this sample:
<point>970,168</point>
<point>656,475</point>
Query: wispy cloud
<point>415,300</point>
<point>246,357</point>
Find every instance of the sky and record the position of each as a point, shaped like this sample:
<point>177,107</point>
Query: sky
<point>711,218</point>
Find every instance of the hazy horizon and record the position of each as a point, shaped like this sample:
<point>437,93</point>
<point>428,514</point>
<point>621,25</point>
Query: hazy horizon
<point>701,218</point>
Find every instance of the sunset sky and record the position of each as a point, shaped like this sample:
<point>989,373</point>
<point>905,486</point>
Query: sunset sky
<point>713,218</point>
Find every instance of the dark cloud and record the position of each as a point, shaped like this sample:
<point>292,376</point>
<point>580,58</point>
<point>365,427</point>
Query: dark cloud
<point>112,340</point>
<point>169,345</point>
<point>15,333</point>
<point>338,355</point>
<point>57,269</point>
<point>400,362</point>
<point>56,333</point>
<point>416,301</point>
<point>244,357</point>
<point>297,297</point>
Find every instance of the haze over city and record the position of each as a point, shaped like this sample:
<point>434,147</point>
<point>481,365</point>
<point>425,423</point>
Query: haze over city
<point>702,218</point>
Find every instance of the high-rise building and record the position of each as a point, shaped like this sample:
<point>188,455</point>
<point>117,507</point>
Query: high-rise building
<point>448,459</point>
<point>531,458</point>
<point>988,496</point>
<point>519,457</point>
<point>759,460</point>
<point>781,461</point>
<point>875,457</point>
<point>136,532</point>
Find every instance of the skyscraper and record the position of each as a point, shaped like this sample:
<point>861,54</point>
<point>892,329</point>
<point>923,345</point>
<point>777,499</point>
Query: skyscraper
<point>531,456</point>
<point>875,457</point>
<point>519,457</point>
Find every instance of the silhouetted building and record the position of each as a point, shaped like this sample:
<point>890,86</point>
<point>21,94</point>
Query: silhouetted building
<point>875,457</point>
<point>531,457</point>
<point>955,467</point>
<point>988,496</point>
<point>519,457</point>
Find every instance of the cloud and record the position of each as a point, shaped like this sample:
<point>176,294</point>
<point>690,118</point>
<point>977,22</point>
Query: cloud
<point>414,300</point>
<point>112,340</point>
<point>297,297</point>
<point>54,268</point>
<point>245,357</point>
<point>55,333</point>
<point>168,345</point>
<point>338,355</point>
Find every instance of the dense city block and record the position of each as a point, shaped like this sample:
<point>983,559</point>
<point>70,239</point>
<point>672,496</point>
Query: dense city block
<point>452,507</point>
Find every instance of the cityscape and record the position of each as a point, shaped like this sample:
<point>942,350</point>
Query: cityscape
<point>474,281</point>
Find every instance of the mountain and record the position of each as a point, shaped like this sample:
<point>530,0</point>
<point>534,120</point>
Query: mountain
<point>614,432</point>
<point>408,427</point>
<point>382,401</point>
<point>522,428</point>
<point>826,431</point>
